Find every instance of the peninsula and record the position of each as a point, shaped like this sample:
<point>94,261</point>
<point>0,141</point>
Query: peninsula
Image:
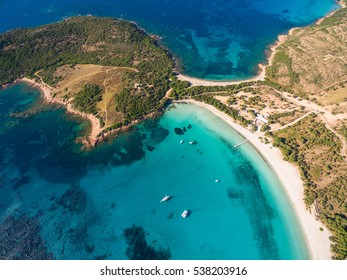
<point>107,70</point>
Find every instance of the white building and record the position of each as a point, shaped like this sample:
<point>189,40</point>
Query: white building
<point>262,119</point>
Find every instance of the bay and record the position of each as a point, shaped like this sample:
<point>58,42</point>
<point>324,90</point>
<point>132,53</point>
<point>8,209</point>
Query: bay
<point>104,203</point>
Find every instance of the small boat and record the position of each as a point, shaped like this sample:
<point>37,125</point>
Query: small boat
<point>165,198</point>
<point>192,142</point>
<point>217,181</point>
<point>182,141</point>
<point>185,213</point>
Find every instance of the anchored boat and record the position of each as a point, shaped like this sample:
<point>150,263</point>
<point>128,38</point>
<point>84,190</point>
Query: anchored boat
<point>165,198</point>
<point>185,213</point>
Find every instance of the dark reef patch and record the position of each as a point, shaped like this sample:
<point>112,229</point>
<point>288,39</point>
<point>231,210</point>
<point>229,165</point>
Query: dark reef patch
<point>20,239</point>
<point>179,131</point>
<point>233,194</point>
<point>150,148</point>
<point>256,205</point>
<point>138,248</point>
<point>21,182</point>
<point>74,199</point>
<point>101,257</point>
<point>159,135</point>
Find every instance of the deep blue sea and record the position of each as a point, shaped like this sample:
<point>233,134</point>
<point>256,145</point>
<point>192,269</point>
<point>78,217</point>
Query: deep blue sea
<point>212,39</point>
<point>61,201</point>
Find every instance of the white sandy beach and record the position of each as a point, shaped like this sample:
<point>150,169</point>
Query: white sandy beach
<point>260,77</point>
<point>201,82</point>
<point>317,241</point>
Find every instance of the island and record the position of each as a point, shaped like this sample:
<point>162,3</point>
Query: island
<point>113,73</point>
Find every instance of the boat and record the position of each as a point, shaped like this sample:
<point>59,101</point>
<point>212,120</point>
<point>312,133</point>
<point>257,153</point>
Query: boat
<point>165,198</point>
<point>192,142</point>
<point>217,181</point>
<point>182,141</point>
<point>185,213</point>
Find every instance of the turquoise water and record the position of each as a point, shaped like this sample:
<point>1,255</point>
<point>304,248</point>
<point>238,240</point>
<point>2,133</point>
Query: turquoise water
<point>75,204</point>
<point>216,39</point>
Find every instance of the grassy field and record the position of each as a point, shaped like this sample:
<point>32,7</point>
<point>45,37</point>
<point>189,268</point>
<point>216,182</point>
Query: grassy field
<point>337,96</point>
<point>111,80</point>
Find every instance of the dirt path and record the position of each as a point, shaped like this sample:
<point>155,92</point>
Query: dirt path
<point>293,122</point>
<point>334,84</point>
<point>168,93</point>
<point>106,97</point>
<point>99,71</point>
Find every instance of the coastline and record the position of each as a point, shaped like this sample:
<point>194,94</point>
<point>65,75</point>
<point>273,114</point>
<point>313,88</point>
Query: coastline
<point>262,68</point>
<point>260,77</point>
<point>317,241</point>
<point>341,3</point>
<point>46,90</point>
<point>202,82</point>
<point>97,133</point>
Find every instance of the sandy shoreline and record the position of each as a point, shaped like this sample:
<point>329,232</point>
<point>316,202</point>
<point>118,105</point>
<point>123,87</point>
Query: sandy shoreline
<point>260,77</point>
<point>47,95</point>
<point>317,241</point>
<point>262,68</point>
<point>202,82</point>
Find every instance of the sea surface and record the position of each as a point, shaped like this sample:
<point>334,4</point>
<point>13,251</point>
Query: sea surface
<point>60,201</point>
<point>211,39</point>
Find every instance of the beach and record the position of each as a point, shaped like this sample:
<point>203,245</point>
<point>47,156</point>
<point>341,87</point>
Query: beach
<point>262,68</point>
<point>201,82</point>
<point>317,241</point>
<point>260,77</point>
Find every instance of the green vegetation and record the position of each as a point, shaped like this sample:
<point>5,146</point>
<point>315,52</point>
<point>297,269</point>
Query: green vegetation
<point>222,107</point>
<point>316,150</point>
<point>278,117</point>
<point>91,40</point>
<point>110,42</point>
<point>312,58</point>
<point>282,59</point>
<point>85,100</point>
<point>343,131</point>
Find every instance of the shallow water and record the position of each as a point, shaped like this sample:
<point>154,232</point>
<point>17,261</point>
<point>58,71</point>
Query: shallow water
<point>77,204</point>
<point>216,39</point>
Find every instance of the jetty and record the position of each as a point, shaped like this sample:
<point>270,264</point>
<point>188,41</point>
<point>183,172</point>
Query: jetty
<point>235,146</point>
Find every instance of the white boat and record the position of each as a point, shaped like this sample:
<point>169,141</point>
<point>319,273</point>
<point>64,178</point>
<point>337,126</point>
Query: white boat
<point>182,141</point>
<point>217,181</point>
<point>185,213</point>
<point>165,198</point>
<point>192,142</point>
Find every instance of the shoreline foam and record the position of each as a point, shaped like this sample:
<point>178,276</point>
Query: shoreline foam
<point>317,241</point>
